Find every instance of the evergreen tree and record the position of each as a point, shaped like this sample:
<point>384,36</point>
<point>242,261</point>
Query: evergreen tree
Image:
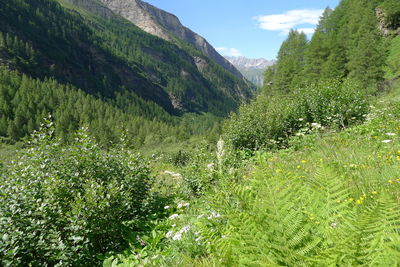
<point>2,41</point>
<point>367,56</point>
<point>290,61</point>
<point>318,49</point>
<point>3,126</point>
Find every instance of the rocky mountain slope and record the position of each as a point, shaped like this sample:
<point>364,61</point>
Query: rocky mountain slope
<point>166,26</point>
<point>252,69</point>
<point>85,44</point>
<point>250,63</point>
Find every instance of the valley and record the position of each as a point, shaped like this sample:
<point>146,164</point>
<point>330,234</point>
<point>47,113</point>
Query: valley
<point>127,139</point>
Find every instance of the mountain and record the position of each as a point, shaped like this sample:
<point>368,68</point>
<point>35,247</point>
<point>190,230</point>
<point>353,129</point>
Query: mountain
<point>166,26</point>
<point>252,69</point>
<point>98,51</point>
<point>250,63</point>
<point>81,45</point>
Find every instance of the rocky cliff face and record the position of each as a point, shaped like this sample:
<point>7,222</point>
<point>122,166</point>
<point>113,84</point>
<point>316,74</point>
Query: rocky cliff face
<point>166,26</point>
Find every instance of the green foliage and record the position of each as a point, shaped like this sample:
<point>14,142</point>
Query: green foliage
<point>318,219</point>
<point>393,65</point>
<point>200,174</point>
<point>66,205</point>
<point>333,203</point>
<point>290,61</point>
<point>391,9</point>
<point>25,101</point>
<point>367,54</point>
<point>346,44</point>
<point>268,122</point>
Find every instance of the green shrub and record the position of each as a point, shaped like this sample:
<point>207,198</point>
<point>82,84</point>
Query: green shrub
<point>268,122</point>
<point>66,205</point>
<point>392,13</point>
<point>179,158</point>
<point>200,173</point>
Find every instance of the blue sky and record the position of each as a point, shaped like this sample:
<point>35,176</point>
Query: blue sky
<point>252,28</point>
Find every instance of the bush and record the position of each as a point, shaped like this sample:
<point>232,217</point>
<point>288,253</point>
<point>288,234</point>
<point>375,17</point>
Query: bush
<point>66,205</point>
<point>200,173</point>
<point>180,158</point>
<point>392,13</point>
<point>268,122</point>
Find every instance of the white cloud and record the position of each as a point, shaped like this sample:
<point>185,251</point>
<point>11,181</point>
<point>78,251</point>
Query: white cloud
<point>290,20</point>
<point>233,52</point>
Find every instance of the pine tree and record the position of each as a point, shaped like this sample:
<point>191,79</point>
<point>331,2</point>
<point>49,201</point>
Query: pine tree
<point>290,61</point>
<point>12,131</point>
<point>3,126</point>
<point>318,49</point>
<point>2,41</point>
<point>367,56</point>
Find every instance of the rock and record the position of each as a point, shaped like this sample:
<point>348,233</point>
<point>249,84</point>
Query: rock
<point>166,26</point>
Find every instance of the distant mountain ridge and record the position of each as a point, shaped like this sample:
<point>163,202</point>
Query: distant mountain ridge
<point>166,26</point>
<point>250,63</point>
<point>251,68</point>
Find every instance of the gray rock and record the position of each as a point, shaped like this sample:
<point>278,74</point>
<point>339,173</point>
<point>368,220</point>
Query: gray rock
<point>166,26</point>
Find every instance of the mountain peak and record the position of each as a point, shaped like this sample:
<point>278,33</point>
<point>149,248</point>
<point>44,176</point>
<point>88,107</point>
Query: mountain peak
<point>244,62</point>
<point>251,68</point>
<point>166,26</point>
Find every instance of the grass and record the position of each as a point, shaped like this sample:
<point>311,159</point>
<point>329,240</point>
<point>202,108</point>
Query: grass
<point>332,199</point>
<point>8,151</point>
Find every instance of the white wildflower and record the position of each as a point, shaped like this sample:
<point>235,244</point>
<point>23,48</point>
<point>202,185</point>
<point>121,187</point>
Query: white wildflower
<point>173,216</point>
<point>169,234</point>
<point>301,119</point>
<point>214,215</point>
<point>167,207</point>
<point>173,174</point>
<point>386,141</point>
<point>390,134</point>
<point>210,166</point>
<point>316,125</point>
<point>220,152</point>
<point>177,236</point>
<point>185,229</point>
<point>183,204</point>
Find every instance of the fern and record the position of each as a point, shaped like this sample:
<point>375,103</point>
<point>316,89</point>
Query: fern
<point>274,220</point>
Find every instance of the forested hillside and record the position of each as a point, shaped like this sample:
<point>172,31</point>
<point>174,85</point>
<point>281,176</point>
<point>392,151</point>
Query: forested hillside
<point>346,44</point>
<point>305,174</point>
<point>109,58</point>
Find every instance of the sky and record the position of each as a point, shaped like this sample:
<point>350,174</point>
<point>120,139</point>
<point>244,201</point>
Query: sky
<point>250,28</point>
